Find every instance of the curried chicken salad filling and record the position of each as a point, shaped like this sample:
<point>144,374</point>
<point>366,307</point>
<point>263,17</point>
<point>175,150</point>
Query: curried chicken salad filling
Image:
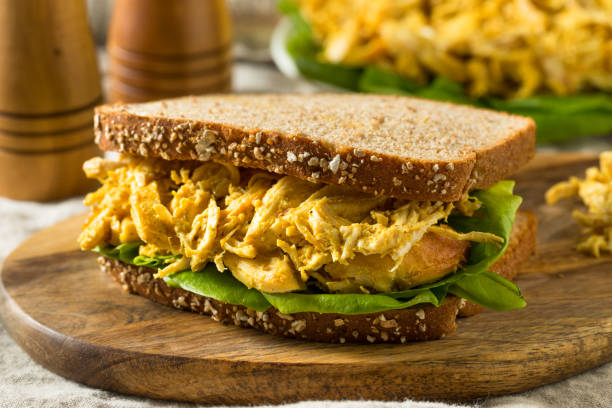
<point>283,237</point>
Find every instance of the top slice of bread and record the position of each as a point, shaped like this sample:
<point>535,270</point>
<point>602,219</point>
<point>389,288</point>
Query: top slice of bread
<point>393,145</point>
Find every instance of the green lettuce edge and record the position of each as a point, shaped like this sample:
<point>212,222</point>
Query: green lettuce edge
<point>473,282</point>
<point>558,118</point>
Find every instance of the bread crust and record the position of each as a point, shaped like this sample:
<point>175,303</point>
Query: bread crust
<point>121,128</point>
<point>389,326</point>
<point>422,322</point>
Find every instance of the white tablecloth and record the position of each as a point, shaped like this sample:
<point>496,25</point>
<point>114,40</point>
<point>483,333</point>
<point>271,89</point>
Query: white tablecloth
<point>23,383</point>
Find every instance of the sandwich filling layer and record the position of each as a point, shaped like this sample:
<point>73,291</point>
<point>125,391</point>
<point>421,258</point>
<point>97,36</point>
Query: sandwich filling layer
<point>282,236</point>
<point>273,233</point>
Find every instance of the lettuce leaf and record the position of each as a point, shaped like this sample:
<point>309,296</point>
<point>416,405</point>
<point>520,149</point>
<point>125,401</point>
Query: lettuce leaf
<point>128,253</point>
<point>499,207</point>
<point>496,216</point>
<point>558,118</point>
<point>490,289</point>
<point>222,286</point>
<point>473,282</point>
<point>158,262</point>
<point>208,282</point>
<point>124,252</point>
<point>304,51</point>
<point>345,303</point>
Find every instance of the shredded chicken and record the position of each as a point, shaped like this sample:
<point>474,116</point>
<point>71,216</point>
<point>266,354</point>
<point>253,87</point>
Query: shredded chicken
<point>273,233</point>
<point>596,193</point>
<point>511,48</point>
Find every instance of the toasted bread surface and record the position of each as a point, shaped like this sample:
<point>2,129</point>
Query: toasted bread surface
<point>422,322</point>
<point>393,145</point>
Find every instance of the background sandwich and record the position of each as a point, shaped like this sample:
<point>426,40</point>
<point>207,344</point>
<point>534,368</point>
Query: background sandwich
<point>495,56</point>
<point>340,218</point>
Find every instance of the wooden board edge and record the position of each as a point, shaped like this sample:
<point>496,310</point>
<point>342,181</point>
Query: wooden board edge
<point>44,344</point>
<point>80,361</point>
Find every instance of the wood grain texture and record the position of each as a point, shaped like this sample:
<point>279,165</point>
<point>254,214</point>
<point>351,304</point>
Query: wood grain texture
<point>36,142</point>
<point>170,28</point>
<point>170,83</point>
<point>121,92</point>
<point>164,48</point>
<point>50,85</point>
<point>48,56</point>
<point>44,175</point>
<point>77,322</point>
<point>167,65</point>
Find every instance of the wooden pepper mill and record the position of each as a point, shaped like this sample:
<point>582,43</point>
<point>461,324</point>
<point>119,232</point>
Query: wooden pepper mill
<point>49,84</point>
<point>164,48</point>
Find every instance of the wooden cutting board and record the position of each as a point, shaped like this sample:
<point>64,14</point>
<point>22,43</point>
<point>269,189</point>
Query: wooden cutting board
<point>77,322</point>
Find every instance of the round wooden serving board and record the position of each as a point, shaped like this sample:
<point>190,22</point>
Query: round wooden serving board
<point>77,322</point>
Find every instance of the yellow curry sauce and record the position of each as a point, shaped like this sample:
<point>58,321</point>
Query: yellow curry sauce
<point>272,232</point>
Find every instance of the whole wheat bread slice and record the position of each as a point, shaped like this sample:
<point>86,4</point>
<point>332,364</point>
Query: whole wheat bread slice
<point>393,145</point>
<point>422,322</point>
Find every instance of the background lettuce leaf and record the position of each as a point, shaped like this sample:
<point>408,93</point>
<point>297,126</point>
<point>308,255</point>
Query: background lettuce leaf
<point>558,118</point>
<point>473,281</point>
<point>304,50</point>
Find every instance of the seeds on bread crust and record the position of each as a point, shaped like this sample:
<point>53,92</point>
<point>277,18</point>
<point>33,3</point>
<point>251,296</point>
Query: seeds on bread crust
<point>302,150</point>
<point>282,156</point>
<point>393,326</point>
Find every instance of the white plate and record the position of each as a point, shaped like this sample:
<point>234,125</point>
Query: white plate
<point>285,63</point>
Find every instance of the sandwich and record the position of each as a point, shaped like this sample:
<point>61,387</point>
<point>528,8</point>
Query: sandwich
<point>327,217</point>
<point>511,56</point>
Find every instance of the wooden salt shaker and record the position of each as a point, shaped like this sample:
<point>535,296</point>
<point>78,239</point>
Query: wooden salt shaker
<point>49,84</point>
<point>165,48</point>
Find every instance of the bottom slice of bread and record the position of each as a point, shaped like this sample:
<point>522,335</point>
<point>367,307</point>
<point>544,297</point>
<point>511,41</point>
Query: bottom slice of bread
<point>422,322</point>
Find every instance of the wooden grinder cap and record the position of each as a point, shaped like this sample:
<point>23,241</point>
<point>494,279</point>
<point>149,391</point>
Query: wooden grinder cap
<point>164,48</point>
